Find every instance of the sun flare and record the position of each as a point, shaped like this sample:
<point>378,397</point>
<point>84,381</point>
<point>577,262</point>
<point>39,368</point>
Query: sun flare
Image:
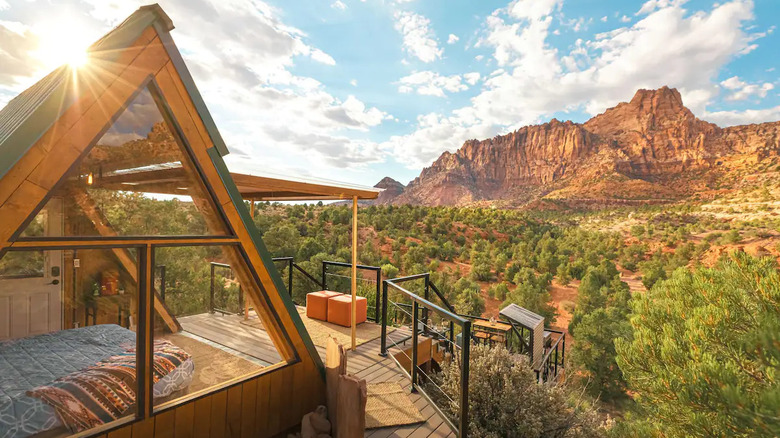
<point>58,46</point>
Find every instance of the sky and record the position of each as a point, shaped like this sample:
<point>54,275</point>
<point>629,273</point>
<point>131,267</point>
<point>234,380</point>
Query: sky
<point>356,90</point>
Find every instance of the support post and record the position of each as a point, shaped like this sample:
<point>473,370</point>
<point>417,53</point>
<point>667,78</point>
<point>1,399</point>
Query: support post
<point>354,270</point>
<point>415,320</point>
<point>324,276</point>
<point>464,380</point>
<point>383,348</point>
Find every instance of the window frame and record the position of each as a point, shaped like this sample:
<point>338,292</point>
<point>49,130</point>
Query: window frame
<point>145,247</point>
<point>150,84</point>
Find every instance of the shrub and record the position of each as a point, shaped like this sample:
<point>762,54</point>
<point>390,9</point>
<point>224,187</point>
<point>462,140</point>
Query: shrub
<point>505,399</point>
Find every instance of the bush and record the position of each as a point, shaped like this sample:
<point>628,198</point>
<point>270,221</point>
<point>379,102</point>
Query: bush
<point>505,399</point>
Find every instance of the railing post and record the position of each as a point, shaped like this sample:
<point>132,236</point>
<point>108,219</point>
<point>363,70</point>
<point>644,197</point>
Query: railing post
<point>324,279</point>
<point>162,283</point>
<point>415,319</point>
<point>464,380</point>
<point>211,291</point>
<point>556,359</point>
<point>383,348</point>
<point>240,299</point>
<point>427,298</point>
<point>452,337</point>
<point>378,282</point>
<point>563,352</point>
<point>289,277</point>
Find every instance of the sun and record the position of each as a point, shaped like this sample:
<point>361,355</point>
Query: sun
<point>62,46</point>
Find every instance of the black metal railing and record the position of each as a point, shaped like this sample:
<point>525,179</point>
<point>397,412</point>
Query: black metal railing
<point>375,271</point>
<point>552,362</point>
<point>161,270</point>
<point>212,293</point>
<point>420,306</point>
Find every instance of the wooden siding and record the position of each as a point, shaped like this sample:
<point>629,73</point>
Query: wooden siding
<point>264,406</point>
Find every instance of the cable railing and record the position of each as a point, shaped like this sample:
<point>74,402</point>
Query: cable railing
<point>374,271</point>
<point>421,307</point>
<point>224,306</point>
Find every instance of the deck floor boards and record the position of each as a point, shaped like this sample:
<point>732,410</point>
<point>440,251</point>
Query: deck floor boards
<point>365,362</point>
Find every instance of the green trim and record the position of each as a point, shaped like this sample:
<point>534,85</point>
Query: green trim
<point>192,89</point>
<point>238,202</point>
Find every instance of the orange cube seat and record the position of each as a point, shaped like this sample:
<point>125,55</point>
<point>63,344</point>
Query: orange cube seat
<point>317,304</point>
<point>340,310</point>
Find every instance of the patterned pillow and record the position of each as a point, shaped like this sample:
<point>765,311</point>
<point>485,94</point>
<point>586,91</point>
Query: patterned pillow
<point>88,398</point>
<point>105,391</point>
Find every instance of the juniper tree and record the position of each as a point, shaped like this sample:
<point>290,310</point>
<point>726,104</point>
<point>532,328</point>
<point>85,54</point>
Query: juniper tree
<point>705,354</point>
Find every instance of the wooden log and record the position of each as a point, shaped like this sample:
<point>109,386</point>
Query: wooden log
<point>335,367</point>
<point>351,416</point>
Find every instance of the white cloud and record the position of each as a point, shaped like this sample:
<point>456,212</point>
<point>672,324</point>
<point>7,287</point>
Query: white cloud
<point>740,90</point>
<point>625,19</point>
<point>320,56</point>
<point>338,4</point>
<point>4,5</point>
<point>353,82</point>
<point>430,83</point>
<point>471,78</point>
<point>418,39</point>
<point>731,118</point>
<point>452,39</point>
<point>479,57</point>
<point>653,5</point>
<point>240,55</point>
<point>604,19</point>
<point>533,9</point>
<point>668,46</point>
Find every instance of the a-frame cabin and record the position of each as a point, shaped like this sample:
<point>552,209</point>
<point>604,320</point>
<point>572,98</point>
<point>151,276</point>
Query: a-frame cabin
<point>83,260</point>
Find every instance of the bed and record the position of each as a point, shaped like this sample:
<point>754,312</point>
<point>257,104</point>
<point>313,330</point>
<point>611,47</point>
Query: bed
<point>28,364</point>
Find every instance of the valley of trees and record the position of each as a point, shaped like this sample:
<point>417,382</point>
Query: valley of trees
<point>674,328</point>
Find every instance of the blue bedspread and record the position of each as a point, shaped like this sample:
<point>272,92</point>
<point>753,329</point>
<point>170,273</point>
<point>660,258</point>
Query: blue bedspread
<point>39,360</point>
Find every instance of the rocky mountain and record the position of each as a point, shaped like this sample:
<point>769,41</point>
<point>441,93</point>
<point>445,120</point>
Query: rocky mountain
<point>392,190</point>
<point>651,149</point>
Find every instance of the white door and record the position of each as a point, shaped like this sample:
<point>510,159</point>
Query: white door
<point>32,306</point>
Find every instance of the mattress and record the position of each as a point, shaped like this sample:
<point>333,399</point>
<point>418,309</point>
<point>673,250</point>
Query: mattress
<point>39,360</point>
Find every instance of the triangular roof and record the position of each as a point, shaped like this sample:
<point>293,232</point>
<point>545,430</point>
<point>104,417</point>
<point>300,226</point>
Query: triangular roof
<point>51,126</point>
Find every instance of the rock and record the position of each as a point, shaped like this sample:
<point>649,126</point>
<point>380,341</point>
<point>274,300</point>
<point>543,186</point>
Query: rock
<point>651,147</point>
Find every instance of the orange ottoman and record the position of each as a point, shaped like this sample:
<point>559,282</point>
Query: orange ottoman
<point>317,304</point>
<point>340,310</point>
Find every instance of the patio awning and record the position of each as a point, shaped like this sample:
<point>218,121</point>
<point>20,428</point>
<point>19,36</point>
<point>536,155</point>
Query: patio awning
<point>171,179</point>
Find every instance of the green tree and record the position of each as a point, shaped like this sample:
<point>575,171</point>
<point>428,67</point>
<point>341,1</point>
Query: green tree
<point>468,298</point>
<point>704,359</point>
<point>282,239</point>
<point>389,271</point>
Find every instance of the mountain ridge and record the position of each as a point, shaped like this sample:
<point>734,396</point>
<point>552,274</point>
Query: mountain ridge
<point>652,147</point>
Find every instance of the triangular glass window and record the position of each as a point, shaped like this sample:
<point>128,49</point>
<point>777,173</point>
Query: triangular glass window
<point>138,179</point>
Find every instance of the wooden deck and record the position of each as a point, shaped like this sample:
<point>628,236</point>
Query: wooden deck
<point>365,363</point>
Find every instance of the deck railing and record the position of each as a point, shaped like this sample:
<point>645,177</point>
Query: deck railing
<point>213,306</point>
<point>549,367</point>
<point>420,308</point>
